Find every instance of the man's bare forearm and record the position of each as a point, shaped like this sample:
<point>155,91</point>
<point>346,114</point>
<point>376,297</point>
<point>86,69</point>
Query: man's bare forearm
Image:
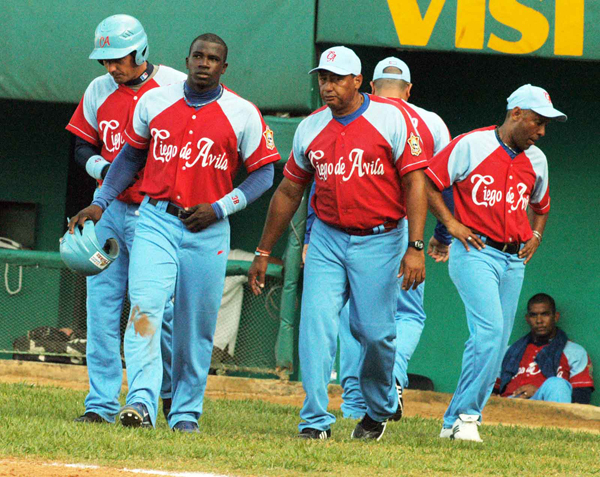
<point>538,222</point>
<point>436,203</point>
<point>415,193</point>
<point>283,206</point>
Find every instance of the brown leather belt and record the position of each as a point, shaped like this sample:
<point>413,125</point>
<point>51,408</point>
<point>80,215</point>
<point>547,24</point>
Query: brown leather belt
<point>171,208</point>
<point>509,247</point>
<point>380,229</point>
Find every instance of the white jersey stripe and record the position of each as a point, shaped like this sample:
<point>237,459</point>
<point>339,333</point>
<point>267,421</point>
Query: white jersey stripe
<point>82,132</point>
<point>413,165</point>
<point>263,159</point>
<point>133,140</point>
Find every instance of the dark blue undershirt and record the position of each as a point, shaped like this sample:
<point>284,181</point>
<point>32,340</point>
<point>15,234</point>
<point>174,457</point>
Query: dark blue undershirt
<point>345,120</point>
<point>194,99</point>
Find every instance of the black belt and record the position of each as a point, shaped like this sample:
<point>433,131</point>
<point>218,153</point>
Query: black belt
<point>509,247</point>
<point>171,208</point>
<point>380,229</point>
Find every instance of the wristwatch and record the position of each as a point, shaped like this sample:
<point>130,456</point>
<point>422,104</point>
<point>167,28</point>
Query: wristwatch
<point>418,244</point>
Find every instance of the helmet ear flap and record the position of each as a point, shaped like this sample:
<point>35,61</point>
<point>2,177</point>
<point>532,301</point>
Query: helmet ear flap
<point>141,55</point>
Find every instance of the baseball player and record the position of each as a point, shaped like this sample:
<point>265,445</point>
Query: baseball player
<point>121,46</point>
<point>363,152</point>
<point>391,79</point>
<point>496,173</point>
<point>195,135</point>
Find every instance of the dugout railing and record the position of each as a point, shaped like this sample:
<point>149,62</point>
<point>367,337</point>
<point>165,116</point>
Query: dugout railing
<point>43,312</point>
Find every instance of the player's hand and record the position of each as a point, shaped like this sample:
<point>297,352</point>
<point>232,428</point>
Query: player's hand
<point>529,249</point>
<point>256,274</point>
<point>437,250</point>
<point>92,212</point>
<point>198,217</point>
<point>304,252</point>
<point>412,268</point>
<point>525,392</point>
<point>465,235</point>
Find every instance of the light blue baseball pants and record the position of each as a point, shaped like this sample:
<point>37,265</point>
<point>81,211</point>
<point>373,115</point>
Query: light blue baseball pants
<point>361,269</point>
<point>489,282</point>
<point>166,260</point>
<point>105,295</point>
<point>410,320</point>
<point>554,389</point>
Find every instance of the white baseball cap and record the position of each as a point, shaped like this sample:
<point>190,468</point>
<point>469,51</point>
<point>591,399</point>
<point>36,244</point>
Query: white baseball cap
<point>339,60</point>
<point>396,63</point>
<point>537,99</point>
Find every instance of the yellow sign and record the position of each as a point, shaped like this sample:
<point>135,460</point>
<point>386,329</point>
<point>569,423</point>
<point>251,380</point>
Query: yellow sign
<point>415,28</point>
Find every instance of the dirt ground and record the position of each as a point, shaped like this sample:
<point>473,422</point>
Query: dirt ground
<point>417,403</point>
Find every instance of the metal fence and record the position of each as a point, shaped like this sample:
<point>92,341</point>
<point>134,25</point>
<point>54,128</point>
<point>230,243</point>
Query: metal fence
<point>43,315</point>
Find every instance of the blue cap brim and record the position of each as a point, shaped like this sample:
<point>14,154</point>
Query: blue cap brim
<point>550,112</point>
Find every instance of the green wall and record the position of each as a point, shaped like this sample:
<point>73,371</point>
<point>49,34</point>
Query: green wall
<point>44,46</point>
<point>471,92</point>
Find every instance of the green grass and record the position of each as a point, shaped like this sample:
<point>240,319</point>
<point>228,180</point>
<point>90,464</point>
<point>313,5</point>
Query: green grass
<point>257,438</point>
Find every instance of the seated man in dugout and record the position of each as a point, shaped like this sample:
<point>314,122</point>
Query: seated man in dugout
<point>544,365</point>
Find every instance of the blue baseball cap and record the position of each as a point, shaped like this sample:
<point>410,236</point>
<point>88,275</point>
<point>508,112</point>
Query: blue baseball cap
<point>395,63</point>
<point>537,99</point>
<point>339,60</point>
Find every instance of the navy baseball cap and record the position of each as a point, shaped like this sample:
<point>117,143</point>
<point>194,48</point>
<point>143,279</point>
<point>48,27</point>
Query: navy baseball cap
<point>537,99</point>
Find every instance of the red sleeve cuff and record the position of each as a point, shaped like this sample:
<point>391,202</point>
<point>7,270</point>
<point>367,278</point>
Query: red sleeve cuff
<point>413,167</point>
<point>86,136</point>
<point>540,209</point>
<point>136,141</point>
<point>436,180</point>
<point>262,161</point>
<point>295,174</point>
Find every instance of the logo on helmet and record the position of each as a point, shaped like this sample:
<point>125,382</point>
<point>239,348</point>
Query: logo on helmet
<point>99,260</point>
<point>103,41</point>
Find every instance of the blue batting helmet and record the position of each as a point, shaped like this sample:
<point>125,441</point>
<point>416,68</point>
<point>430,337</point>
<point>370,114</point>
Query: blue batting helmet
<point>82,253</point>
<point>118,36</point>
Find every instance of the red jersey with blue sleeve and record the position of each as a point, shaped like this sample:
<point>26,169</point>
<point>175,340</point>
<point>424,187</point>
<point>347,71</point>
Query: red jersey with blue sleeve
<point>491,190</point>
<point>194,154</point>
<point>575,366</point>
<point>357,167</point>
<point>105,110</point>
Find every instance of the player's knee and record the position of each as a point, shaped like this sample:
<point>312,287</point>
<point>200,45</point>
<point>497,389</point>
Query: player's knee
<point>558,384</point>
<point>144,322</point>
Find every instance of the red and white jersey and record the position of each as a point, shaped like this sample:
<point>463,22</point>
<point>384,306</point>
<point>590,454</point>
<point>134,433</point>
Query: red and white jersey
<point>491,190</point>
<point>194,154</point>
<point>105,110</point>
<point>431,128</point>
<point>575,366</point>
<point>358,166</point>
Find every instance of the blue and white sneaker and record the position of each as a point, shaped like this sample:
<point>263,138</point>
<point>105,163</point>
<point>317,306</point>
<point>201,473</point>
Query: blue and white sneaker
<point>186,426</point>
<point>135,415</point>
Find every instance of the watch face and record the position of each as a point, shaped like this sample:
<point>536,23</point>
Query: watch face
<point>418,244</point>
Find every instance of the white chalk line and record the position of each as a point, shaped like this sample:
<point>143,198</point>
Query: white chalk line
<point>139,471</point>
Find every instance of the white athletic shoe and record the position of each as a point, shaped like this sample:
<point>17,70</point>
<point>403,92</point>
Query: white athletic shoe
<point>446,432</point>
<point>465,428</point>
